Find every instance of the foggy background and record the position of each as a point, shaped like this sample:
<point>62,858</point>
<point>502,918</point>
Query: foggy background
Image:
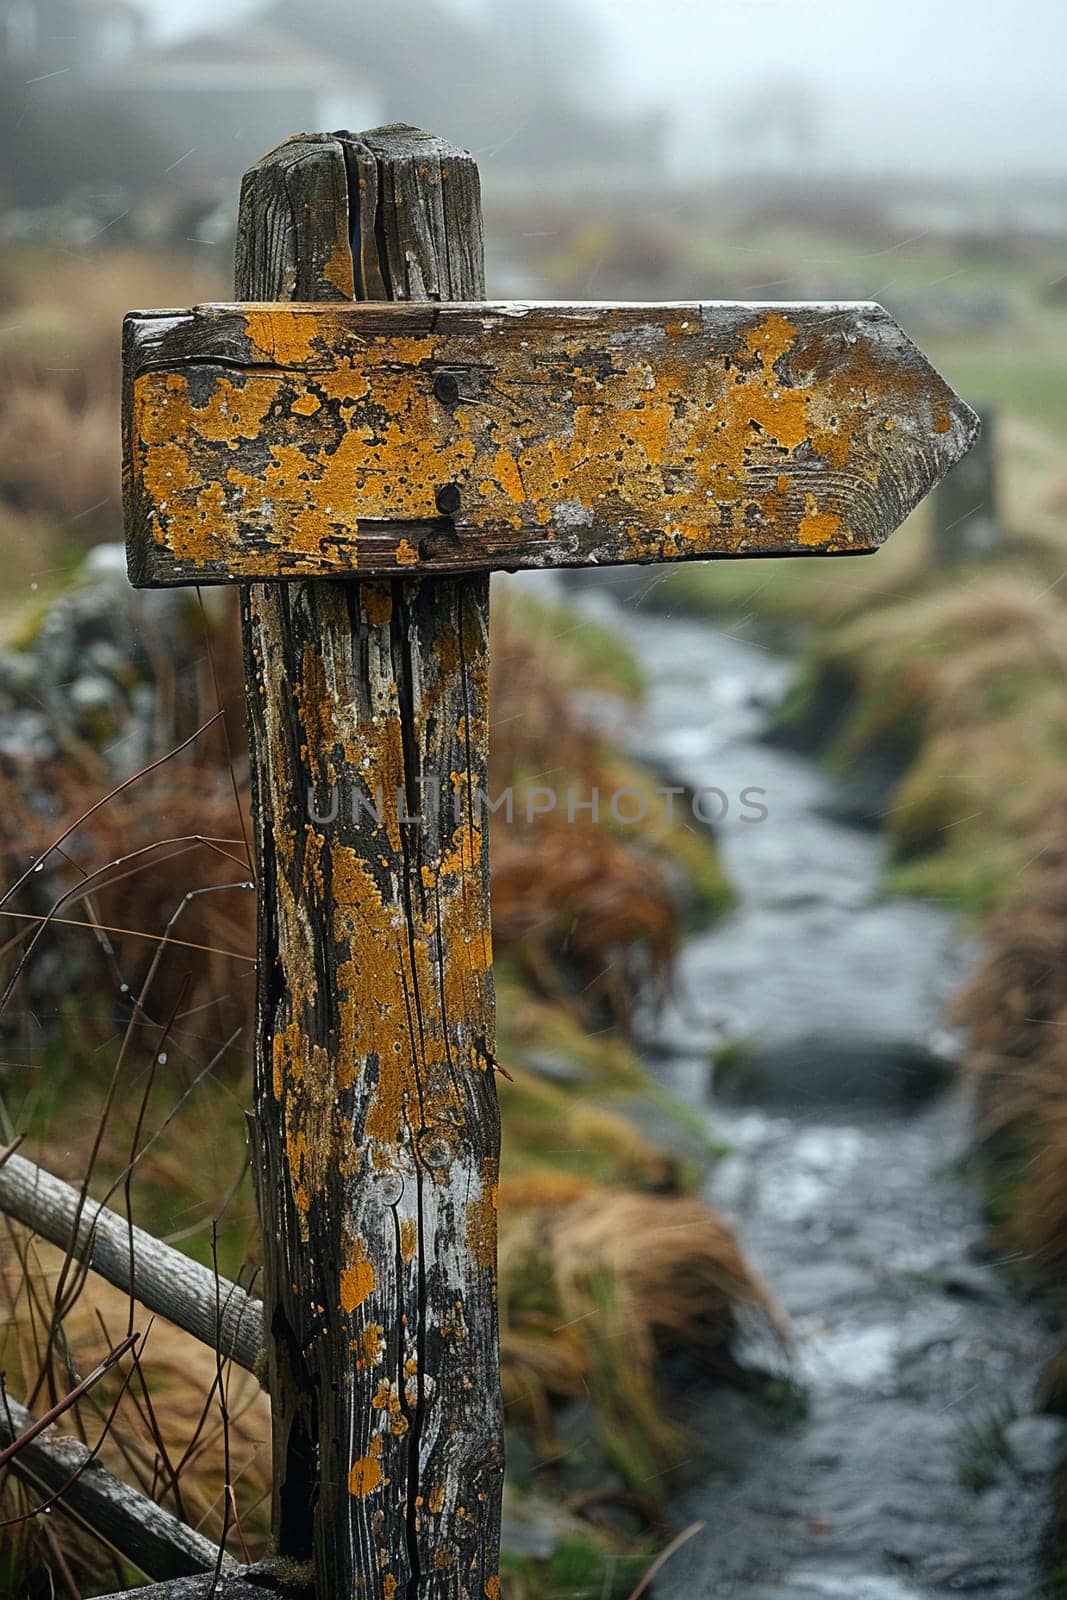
<point>155,100</point>
<point>957,87</point>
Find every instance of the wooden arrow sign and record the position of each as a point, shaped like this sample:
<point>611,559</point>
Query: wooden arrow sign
<point>288,441</point>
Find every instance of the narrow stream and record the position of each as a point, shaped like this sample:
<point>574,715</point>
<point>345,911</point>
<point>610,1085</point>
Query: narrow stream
<point>914,1466</point>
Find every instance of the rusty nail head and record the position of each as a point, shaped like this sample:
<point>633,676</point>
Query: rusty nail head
<point>446,388</point>
<point>448,499</point>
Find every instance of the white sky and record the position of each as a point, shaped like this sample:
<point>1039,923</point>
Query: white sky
<point>936,85</point>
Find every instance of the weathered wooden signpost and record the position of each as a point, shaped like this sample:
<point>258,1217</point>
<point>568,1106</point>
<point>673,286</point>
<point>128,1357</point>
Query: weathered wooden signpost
<point>361,469</point>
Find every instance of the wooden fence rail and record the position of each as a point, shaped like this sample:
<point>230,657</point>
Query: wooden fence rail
<point>214,1310</point>
<point>141,1532</point>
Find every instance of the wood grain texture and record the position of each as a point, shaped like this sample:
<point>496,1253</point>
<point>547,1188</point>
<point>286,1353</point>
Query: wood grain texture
<point>214,1310</point>
<point>376,1117</point>
<point>144,1534</point>
<point>275,441</point>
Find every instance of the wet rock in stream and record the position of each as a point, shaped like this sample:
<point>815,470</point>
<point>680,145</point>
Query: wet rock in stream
<point>846,1069</point>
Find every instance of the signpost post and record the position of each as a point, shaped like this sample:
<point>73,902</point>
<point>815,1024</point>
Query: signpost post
<point>361,469</point>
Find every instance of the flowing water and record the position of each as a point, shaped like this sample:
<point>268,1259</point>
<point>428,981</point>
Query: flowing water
<point>913,1466</point>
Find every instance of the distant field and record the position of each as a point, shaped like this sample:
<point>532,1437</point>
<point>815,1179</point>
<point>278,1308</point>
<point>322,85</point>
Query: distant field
<point>1017,361</point>
<point>992,314</point>
<point>1021,368</point>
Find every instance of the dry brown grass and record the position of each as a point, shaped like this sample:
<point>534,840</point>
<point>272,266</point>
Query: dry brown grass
<point>976,678</point>
<point>557,1137</point>
<point>1015,1007</point>
<point>160,1422</point>
<point>590,920</point>
<point>60,383</point>
<point>967,685</point>
<point>604,1285</point>
<point>588,914</point>
<point>155,882</point>
<point>57,452</point>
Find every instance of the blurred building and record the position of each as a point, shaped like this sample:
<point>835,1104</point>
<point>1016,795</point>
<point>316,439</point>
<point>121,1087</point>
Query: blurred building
<point>68,35</point>
<point>512,87</point>
<point>220,100</point>
<point>522,87</point>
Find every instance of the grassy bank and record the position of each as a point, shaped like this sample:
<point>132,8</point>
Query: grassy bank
<point>60,318</point>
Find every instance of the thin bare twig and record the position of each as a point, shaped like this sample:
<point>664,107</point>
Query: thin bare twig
<point>664,1556</point>
<point>68,1400</point>
<point>131,933</point>
<point>98,804</point>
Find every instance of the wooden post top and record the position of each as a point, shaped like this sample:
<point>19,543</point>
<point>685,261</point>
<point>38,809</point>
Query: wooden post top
<point>284,440</point>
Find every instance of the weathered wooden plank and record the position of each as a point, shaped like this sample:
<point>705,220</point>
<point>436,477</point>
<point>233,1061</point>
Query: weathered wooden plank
<point>376,1114</point>
<point>146,1535</point>
<point>217,1312</point>
<point>277,441</point>
<point>247,1584</point>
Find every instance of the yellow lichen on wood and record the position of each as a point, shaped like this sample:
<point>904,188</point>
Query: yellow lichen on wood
<point>368,1346</point>
<point>281,335</point>
<point>365,1474</point>
<point>506,473</point>
<point>310,1125</point>
<point>357,1284</point>
<point>481,1222</point>
<point>817,527</point>
<point>628,435</point>
<point>306,405</point>
<point>375,988</point>
<point>169,413</point>
<point>388,1399</point>
<point>376,600</point>
<point>339,268</point>
<point>466,852</point>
